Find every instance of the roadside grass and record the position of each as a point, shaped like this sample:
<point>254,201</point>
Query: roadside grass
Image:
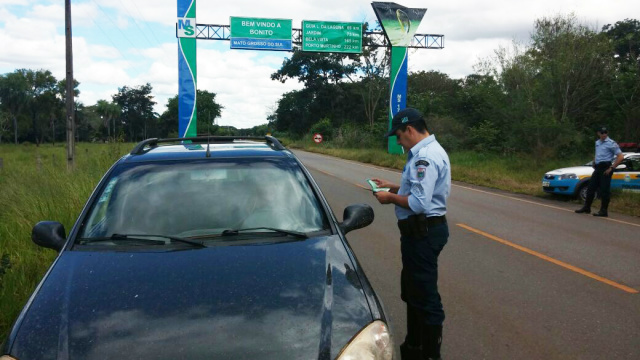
<point>35,185</point>
<point>521,174</point>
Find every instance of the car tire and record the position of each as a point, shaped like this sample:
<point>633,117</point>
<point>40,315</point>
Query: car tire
<point>582,192</point>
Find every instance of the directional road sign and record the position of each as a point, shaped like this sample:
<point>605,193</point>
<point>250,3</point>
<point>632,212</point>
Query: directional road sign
<point>332,36</point>
<point>260,34</point>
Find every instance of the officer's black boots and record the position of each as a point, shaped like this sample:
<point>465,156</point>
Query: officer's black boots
<point>409,352</point>
<point>603,209</point>
<point>431,342</point>
<point>411,348</point>
<point>602,212</point>
<point>584,209</point>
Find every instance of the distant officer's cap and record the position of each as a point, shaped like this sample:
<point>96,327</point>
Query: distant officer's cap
<point>404,117</point>
<point>602,129</point>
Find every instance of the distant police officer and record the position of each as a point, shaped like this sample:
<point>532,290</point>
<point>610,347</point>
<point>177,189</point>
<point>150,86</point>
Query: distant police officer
<point>608,157</point>
<point>421,204</point>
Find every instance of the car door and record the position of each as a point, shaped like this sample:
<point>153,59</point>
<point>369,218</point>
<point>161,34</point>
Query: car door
<point>629,178</point>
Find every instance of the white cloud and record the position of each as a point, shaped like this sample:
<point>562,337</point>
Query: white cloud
<point>53,13</point>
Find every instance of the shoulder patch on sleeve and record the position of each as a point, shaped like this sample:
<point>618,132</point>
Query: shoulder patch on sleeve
<point>422,162</point>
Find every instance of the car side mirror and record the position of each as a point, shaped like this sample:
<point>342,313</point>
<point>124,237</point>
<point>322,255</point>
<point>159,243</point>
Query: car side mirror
<point>49,234</point>
<point>356,217</point>
<point>621,167</point>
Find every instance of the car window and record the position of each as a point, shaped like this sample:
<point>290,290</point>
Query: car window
<point>204,197</point>
<point>633,163</point>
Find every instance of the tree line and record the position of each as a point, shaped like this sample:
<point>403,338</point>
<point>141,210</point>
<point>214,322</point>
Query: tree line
<point>544,97</point>
<point>32,109</point>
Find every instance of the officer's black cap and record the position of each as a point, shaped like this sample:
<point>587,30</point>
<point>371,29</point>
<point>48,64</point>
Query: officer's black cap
<point>404,117</point>
<point>602,129</point>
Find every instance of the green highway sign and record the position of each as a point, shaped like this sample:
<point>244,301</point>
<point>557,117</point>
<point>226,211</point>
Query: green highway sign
<point>260,34</point>
<point>332,36</point>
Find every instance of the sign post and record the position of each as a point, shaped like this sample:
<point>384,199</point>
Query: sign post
<point>260,34</point>
<point>332,36</point>
<point>187,72</point>
<point>399,24</point>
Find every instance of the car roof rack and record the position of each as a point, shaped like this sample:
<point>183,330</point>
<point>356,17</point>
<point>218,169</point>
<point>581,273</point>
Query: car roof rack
<point>153,142</point>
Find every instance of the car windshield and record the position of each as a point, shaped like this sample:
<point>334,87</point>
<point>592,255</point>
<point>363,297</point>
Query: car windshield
<point>200,198</point>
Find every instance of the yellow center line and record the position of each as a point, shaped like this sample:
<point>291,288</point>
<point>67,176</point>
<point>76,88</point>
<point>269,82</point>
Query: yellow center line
<point>552,260</point>
<point>540,204</point>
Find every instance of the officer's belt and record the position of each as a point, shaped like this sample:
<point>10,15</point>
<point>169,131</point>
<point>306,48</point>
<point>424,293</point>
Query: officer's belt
<point>416,226</point>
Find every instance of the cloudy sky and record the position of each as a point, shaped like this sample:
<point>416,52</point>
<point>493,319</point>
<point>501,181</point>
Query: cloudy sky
<point>132,42</point>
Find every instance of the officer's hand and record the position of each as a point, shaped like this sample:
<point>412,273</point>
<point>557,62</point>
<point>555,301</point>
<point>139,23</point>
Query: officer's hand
<point>384,197</point>
<point>383,183</point>
<point>608,171</point>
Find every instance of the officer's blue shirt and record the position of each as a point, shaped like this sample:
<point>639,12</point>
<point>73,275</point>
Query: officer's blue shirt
<point>426,178</point>
<point>606,151</point>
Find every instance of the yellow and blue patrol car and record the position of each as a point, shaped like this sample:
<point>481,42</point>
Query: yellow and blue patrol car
<point>573,181</point>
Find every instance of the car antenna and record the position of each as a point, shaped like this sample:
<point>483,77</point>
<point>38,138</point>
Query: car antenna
<point>208,154</point>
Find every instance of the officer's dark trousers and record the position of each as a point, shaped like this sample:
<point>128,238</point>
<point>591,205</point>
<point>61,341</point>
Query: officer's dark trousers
<point>419,283</point>
<point>599,182</point>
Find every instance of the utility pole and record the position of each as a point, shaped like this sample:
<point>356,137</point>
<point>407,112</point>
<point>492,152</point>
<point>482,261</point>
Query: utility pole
<point>70,93</point>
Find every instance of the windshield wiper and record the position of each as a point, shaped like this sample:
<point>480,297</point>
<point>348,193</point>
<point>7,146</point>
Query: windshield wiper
<point>141,237</point>
<point>232,232</point>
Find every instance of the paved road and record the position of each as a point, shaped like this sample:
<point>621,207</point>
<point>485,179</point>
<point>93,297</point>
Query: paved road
<point>521,277</point>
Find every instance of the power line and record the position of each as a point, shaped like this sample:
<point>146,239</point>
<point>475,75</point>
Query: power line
<point>150,30</point>
<point>135,22</point>
<point>108,38</point>
<point>121,32</point>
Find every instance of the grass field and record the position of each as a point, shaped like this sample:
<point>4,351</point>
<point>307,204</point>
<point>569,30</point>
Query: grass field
<point>36,185</point>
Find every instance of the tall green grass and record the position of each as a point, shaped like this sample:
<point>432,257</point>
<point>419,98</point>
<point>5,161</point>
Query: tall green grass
<point>36,185</point>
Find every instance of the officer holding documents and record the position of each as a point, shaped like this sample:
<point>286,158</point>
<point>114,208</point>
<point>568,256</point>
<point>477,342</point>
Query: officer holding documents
<point>420,205</point>
<point>608,157</point>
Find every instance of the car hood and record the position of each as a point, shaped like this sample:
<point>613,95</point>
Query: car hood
<point>294,300</point>
<point>578,170</point>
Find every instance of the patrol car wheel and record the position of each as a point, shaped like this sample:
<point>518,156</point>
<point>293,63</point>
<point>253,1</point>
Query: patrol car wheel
<point>582,192</point>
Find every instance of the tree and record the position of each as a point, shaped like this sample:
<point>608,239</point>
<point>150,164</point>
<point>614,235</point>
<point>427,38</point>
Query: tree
<point>316,69</point>
<point>625,79</point>
<point>41,99</point>
<point>108,112</point>
<point>375,79</point>
<point>572,68</point>
<point>14,97</point>
<point>4,124</point>
<point>324,74</point>
<point>137,110</point>
<point>207,111</point>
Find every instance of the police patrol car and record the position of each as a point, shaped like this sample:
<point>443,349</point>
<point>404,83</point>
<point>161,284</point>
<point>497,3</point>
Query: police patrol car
<point>573,181</point>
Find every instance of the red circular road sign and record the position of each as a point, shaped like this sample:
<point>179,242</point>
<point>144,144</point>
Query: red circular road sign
<point>317,138</point>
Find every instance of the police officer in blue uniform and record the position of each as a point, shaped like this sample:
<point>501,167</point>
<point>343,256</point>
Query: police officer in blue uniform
<point>608,157</point>
<point>420,205</point>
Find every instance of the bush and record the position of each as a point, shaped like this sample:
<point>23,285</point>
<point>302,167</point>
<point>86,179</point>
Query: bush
<point>323,127</point>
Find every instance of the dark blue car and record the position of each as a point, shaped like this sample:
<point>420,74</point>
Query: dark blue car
<point>223,248</point>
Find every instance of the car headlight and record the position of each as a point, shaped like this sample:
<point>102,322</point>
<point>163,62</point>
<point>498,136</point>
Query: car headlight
<point>567,176</point>
<point>373,342</point>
